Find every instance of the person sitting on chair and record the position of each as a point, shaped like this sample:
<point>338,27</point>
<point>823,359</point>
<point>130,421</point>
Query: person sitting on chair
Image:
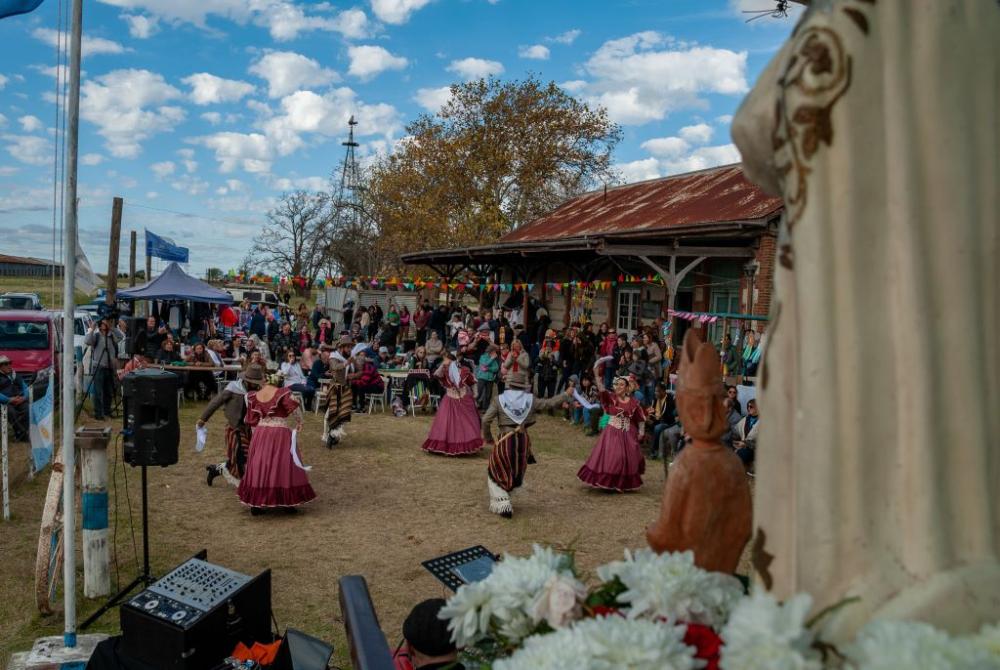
<point>14,394</point>
<point>426,641</point>
<point>745,434</point>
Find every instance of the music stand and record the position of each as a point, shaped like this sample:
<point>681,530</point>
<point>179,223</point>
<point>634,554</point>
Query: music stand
<point>462,567</point>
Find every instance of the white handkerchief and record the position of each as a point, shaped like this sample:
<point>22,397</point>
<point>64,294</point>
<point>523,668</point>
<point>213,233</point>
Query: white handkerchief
<point>201,436</point>
<point>295,453</point>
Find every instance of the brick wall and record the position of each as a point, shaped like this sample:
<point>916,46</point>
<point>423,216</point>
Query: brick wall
<point>764,281</point>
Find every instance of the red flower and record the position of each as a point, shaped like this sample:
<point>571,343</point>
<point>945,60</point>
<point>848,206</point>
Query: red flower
<point>707,643</point>
<point>604,610</point>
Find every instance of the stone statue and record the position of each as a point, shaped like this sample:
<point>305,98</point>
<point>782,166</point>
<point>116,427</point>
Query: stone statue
<point>879,469</point>
<point>706,503</point>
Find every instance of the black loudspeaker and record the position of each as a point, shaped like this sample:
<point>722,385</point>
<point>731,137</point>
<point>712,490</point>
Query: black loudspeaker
<point>152,431</point>
<point>299,651</point>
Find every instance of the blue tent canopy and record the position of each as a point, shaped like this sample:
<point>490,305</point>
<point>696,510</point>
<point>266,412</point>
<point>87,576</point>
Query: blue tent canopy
<point>175,284</point>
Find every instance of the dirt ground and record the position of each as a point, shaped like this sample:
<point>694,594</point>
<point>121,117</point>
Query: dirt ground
<point>384,506</point>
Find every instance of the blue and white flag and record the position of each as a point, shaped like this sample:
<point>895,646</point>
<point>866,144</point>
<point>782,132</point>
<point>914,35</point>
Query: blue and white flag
<point>164,247</point>
<point>15,7</point>
<point>40,416</point>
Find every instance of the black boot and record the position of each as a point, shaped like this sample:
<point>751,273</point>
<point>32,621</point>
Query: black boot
<point>213,472</point>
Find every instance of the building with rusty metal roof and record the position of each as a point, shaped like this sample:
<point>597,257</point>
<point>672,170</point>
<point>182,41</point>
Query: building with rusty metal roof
<point>701,241</point>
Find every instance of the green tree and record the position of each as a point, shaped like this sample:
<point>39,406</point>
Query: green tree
<point>213,274</point>
<point>497,155</point>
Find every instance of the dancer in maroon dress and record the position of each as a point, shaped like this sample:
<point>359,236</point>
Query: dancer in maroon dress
<point>616,462</point>
<point>275,476</point>
<point>456,427</point>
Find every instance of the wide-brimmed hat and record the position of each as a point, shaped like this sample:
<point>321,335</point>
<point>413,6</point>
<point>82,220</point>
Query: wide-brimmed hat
<point>517,380</point>
<point>345,341</point>
<point>254,374</point>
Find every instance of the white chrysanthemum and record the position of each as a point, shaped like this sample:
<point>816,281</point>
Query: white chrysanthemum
<point>670,585</point>
<point>611,643</point>
<point>505,602</point>
<point>764,635</point>
<point>467,613</point>
<point>988,638</point>
<point>899,645</point>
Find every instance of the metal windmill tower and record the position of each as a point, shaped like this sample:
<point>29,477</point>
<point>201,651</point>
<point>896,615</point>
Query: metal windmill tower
<point>353,232</point>
<point>350,176</point>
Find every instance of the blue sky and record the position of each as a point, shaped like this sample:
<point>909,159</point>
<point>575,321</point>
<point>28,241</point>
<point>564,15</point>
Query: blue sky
<point>211,108</point>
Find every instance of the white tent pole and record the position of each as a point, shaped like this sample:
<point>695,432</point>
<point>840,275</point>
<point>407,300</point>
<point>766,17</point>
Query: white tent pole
<point>66,374</point>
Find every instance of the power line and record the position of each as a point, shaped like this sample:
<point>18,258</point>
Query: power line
<point>187,215</point>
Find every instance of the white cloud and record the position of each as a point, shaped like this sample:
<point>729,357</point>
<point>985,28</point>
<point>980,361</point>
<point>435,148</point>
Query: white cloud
<point>141,26</point>
<point>208,89</point>
<point>699,133</point>
<point>475,68</point>
<point>369,61</point>
<point>396,11</point>
<point>189,184</point>
<point>433,99</point>
<point>250,152</point>
<point>187,158</point>
<point>574,85</point>
<point>534,52</point>
<point>287,72</point>
<point>3,81</point>
<point>284,19</point>
<point>640,170</point>
<point>702,158</point>
<point>152,195</point>
<point>725,119</point>
<point>91,46</point>
<point>163,169</point>
<point>3,120</point>
<point>30,124</point>
<point>666,147</point>
<point>567,37</point>
<point>213,118</point>
<point>92,159</point>
<point>301,114</point>
<point>645,76</point>
<point>304,183</point>
<point>8,171</point>
<point>29,149</point>
<point>127,106</point>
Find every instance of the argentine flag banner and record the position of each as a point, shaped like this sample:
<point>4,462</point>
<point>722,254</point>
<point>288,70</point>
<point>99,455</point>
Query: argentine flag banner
<point>15,7</point>
<point>40,417</point>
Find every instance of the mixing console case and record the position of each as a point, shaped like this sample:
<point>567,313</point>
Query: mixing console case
<point>193,617</point>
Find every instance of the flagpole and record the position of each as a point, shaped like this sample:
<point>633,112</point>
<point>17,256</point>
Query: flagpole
<point>66,374</point>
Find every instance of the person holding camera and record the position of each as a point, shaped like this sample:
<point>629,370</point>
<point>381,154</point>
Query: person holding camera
<point>103,341</point>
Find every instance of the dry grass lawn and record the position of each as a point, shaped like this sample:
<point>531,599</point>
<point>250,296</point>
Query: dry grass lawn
<point>384,506</point>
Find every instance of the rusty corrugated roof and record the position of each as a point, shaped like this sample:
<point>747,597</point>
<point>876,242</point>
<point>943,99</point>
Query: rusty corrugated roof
<point>24,260</point>
<point>715,195</point>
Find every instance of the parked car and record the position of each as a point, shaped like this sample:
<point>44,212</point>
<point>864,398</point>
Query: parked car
<point>20,301</point>
<point>30,339</point>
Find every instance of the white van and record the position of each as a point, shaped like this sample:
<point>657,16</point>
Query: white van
<point>255,295</point>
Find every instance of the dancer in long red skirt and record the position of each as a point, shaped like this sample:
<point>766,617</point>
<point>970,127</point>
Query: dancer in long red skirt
<point>456,427</point>
<point>275,476</point>
<point>616,462</point>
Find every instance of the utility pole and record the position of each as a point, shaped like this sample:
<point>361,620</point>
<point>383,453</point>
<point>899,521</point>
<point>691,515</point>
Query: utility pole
<point>68,354</point>
<point>131,258</point>
<point>115,243</point>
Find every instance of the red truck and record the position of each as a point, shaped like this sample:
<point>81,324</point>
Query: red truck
<point>29,339</point>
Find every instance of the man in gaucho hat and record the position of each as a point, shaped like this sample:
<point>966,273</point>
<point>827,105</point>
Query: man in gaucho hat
<point>233,403</point>
<point>339,398</point>
<point>514,411</point>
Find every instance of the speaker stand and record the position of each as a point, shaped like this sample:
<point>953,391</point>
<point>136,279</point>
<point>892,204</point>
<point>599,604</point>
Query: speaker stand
<point>144,578</point>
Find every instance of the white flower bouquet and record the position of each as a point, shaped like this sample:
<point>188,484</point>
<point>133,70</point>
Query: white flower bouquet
<point>662,612</point>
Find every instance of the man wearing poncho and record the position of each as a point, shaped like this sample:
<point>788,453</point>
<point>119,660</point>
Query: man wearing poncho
<point>232,400</point>
<point>514,411</point>
<point>339,398</point>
